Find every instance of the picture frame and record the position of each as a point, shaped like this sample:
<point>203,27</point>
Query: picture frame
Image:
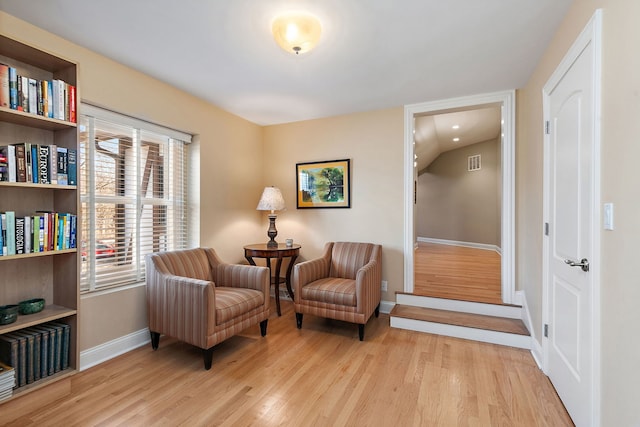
<point>325,184</point>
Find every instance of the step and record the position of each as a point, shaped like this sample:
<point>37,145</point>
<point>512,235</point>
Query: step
<point>499,310</point>
<point>478,327</point>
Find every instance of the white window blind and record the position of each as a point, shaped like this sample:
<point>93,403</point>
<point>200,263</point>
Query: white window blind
<point>133,196</point>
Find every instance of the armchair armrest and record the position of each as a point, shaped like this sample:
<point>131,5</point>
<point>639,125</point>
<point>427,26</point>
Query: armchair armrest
<point>368,281</point>
<point>180,307</point>
<point>242,276</point>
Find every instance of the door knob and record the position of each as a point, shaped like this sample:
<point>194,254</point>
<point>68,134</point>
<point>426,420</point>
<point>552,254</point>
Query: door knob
<point>583,264</point>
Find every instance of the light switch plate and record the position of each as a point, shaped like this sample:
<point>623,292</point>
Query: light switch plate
<point>608,216</point>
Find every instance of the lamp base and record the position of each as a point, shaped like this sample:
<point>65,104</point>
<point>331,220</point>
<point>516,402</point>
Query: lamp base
<point>272,232</point>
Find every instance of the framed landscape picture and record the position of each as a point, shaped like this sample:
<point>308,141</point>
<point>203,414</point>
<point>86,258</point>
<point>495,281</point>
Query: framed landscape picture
<point>323,184</point>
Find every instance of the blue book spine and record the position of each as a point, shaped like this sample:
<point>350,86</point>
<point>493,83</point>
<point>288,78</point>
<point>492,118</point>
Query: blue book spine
<point>11,232</point>
<point>13,88</point>
<point>34,163</point>
<point>2,231</point>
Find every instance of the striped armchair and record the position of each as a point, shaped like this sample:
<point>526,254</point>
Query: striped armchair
<point>195,297</point>
<point>344,284</point>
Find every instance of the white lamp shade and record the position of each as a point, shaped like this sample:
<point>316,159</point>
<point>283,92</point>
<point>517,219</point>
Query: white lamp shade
<point>271,200</point>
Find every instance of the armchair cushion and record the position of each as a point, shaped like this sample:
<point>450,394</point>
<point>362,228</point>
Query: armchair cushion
<point>332,290</point>
<point>232,302</point>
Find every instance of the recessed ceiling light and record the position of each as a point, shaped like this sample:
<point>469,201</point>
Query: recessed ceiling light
<point>455,127</point>
<point>456,139</point>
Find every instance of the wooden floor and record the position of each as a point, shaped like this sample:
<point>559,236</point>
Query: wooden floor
<point>321,375</point>
<point>456,272</point>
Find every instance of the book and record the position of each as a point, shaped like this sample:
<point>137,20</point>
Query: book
<point>4,86</point>
<point>21,162</point>
<point>28,235</point>
<point>23,94</point>
<point>66,337</point>
<point>21,361</point>
<point>53,164</point>
<point>3,248</point>
<point>43,164</point>
<point>13,88</point>
<point>3,228</point>
<point>10,235</point>
<point>72,104</point>
<point>11,163</point>
<point>46,350</point>
<point>62,166</point>
<point>72,165</point>
<point>36,355</point>
<point>19,235</point>
<point>28,355</point>
<point>27,156</point>
<point>7,380</point>
<point>9,353</point>
<point>34,164</point>
<point>33,96</point>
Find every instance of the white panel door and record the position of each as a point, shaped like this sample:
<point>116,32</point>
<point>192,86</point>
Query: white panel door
<point>572,211</point>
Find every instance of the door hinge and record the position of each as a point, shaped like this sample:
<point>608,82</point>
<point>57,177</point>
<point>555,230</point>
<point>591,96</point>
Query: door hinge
<point>546,330</point>
<point>547,127</point>
<point>546,228</point>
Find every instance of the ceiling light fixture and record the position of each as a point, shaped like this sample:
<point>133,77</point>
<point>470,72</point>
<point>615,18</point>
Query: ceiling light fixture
<point>455,127</point>
<point>296,32</point>
<point>456,139</point>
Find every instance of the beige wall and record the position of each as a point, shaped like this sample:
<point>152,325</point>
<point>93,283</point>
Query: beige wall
<point>455,204</point>
<point>374,143</point>
<point>620,285</point>
<point>231,171</point>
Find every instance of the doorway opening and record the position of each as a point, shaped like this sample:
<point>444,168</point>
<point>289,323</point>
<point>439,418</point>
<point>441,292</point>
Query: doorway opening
<point>475,224</point>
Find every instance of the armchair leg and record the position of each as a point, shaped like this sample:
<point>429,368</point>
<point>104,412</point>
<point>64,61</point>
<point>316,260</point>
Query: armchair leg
<point>361,332</point>
<point>377,312</point>
<point>208,357</point>
<point>299,320</point>
<point>155,340</point>
<point>263,327</point>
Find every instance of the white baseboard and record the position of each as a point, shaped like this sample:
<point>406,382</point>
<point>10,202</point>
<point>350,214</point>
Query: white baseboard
<point>113,348</point>
<point>386,306</point>
<point>536,347</point>
<point>458,243</point>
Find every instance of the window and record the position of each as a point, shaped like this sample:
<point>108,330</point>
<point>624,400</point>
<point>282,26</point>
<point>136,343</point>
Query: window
<point>133,196</point>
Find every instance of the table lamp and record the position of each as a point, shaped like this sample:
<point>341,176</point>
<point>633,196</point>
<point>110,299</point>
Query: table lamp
<point>271,200</point>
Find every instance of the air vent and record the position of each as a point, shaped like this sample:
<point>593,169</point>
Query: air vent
<point>474,163</point>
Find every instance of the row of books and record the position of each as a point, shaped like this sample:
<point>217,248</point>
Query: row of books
<point>7,381</point>
<point>45,231</point>
<point>54,99</point>
<point>36,352</point>
<point>38,164</point>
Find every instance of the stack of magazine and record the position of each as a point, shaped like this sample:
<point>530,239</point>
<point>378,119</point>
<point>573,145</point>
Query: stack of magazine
<point>7,381</point>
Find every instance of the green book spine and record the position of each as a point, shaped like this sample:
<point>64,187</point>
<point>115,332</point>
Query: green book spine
<point>66,336</point>
<point>28,354</point>
<point>21,365</point>
<point>37,352</point>
<point>47,350</point>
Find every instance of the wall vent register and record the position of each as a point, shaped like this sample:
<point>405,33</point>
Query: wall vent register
<point>473,163</point>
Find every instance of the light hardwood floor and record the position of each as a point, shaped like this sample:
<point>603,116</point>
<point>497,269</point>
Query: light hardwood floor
<point>456,272</point>
<point>321,375</point>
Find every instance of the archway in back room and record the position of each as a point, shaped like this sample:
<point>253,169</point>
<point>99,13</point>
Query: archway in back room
<point>418,119</point>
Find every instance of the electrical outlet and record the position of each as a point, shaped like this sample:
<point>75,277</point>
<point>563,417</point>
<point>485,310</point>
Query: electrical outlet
<point>383,287</point>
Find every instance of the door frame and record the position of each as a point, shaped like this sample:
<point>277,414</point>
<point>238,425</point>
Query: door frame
<point>507,101</point>
<point>591,34</point>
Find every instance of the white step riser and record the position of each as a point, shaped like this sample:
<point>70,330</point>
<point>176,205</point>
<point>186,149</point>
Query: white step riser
<point>508,311</point>
<point>493,337</point>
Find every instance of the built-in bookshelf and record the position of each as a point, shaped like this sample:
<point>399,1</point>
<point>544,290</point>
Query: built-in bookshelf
<point>51,274</point>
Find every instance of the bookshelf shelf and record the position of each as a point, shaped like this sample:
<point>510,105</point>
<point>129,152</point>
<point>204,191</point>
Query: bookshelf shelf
<point>43,186</point>
<point>52,275</point>
<point>37,254</point>
<point>49,313</point>
<point>33,120</point>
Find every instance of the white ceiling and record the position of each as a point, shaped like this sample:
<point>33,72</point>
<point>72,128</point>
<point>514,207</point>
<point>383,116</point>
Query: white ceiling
<point>373,54</point>
<point>434,134</point>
